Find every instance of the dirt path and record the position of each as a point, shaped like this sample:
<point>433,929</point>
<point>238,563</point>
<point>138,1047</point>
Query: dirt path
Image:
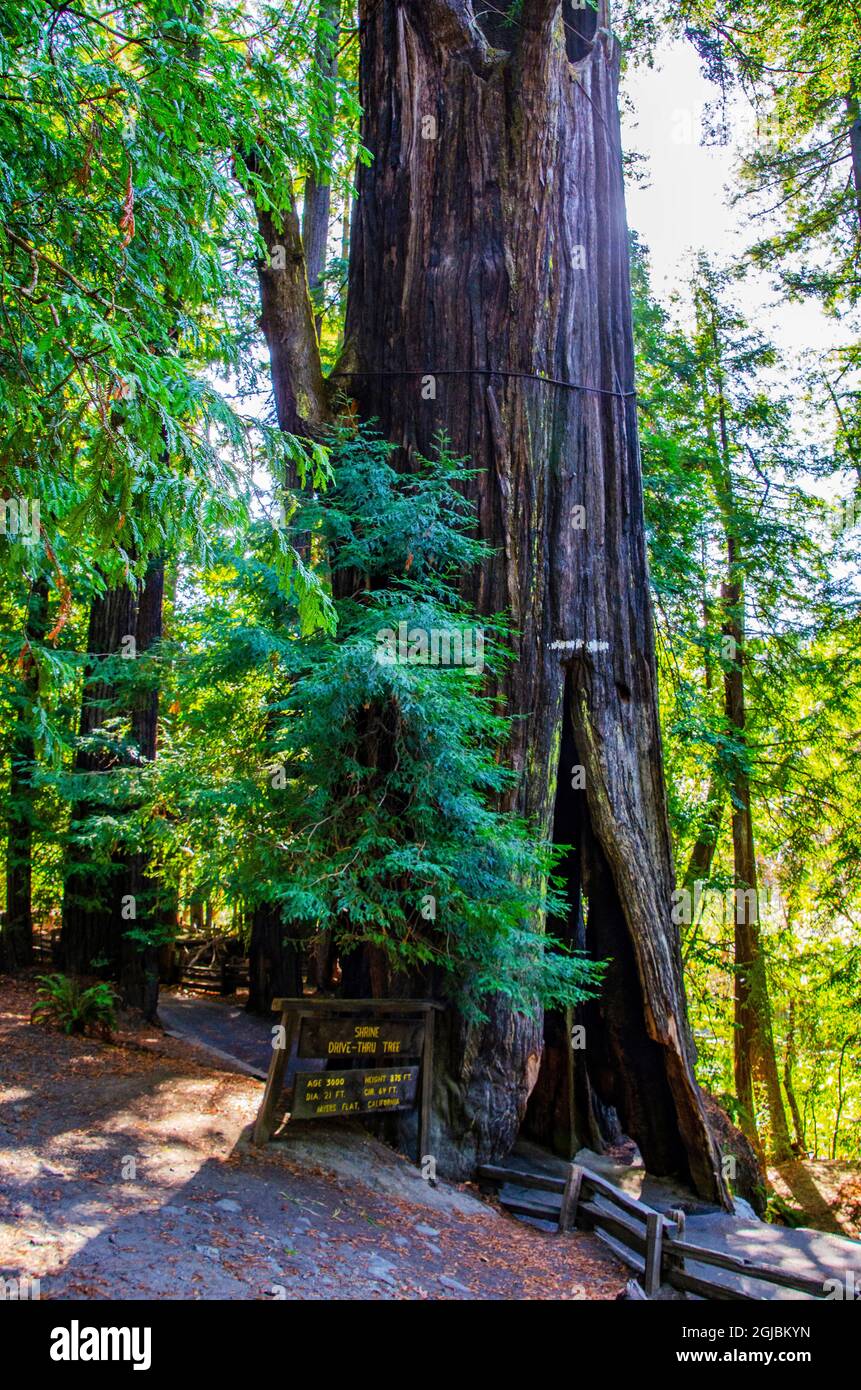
<point>124,1174</point>
<point>221,1025</point>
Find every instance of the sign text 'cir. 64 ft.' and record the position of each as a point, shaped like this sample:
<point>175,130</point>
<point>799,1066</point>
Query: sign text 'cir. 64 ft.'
<point>323,1093</point>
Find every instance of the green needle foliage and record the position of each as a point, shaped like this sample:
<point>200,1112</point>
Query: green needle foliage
<point>363,799</point>
<point>365,804</point>
<point>723,457</point>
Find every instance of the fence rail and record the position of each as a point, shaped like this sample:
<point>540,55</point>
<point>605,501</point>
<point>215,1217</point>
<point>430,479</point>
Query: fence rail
<point>650,1242</point>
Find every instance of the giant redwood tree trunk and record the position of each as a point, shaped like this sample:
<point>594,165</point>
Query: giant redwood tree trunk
<point>490,250</point>
<point>16,939</point>
<point>139,959</point>
<point>274,962</point>
<point>92,900</point>
<point>97,915</point>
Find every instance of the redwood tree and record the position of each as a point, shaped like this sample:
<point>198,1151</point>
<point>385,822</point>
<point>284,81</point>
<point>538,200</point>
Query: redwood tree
<point>96,920</point>
<point>139,957</point>
<point>16,940</point>
<point>92,899</point>
<point>489,298</point>
<point>757,1082</point>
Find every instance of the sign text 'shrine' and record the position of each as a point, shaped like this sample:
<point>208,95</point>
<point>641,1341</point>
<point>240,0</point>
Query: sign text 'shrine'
<point>374,1040</point>
<point>371,1055</point>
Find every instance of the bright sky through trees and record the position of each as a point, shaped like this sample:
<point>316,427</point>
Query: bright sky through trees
<point>684,205</point>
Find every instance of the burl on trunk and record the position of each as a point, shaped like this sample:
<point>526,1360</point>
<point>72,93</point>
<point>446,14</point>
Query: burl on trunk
<point>489,298</point>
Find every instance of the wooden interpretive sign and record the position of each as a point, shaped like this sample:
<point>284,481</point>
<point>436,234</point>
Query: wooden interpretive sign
<point>375,1057</point>
<point>321,1093</point>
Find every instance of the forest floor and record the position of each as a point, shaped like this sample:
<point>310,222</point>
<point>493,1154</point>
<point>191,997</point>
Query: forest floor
<point>826,1192</point>
<point>126,1172</point>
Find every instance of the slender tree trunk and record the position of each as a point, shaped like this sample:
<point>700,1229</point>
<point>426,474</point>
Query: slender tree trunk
<point>318,190</point>
<point>810,1105</point>
<point>287,321</point>
<point>705,846</point>
<point>107,899</point>
<point>841,1098</point>
<point>853,107</point>
<point>301,406</point>
<point>788,1079</point>
<point>346,229</point>
<point>757,1080</point>
<point>490,249</point>
<point>703,851</point>
<point>16,943</point>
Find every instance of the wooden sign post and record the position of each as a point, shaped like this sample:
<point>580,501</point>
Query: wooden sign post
<point>374,1056</point>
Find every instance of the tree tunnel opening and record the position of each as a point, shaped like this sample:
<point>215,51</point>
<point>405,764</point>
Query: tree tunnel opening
<point>601,1077</point>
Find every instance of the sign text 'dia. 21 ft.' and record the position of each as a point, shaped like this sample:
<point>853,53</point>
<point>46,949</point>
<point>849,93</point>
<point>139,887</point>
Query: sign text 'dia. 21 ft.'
<point>362,1057</point>
<point>354,1092</point>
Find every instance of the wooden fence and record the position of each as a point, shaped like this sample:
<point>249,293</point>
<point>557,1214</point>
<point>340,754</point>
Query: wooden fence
<point>203,963</point>
<point>653,1244</point>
